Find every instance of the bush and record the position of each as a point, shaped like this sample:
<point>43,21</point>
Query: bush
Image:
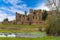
<point>54,28</point>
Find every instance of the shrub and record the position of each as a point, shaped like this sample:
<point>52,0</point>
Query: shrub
<point>54,27</point>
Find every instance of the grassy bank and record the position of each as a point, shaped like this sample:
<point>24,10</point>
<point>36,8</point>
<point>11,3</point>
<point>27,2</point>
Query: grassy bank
<point>24,26</point>
<point>44,38</point>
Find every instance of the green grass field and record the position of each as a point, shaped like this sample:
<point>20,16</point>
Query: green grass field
<point>25,26</point>
<point>19,26</point>
<point>44,38</point>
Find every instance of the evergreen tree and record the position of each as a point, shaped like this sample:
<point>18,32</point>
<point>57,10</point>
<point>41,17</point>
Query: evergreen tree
<point>44,15</point>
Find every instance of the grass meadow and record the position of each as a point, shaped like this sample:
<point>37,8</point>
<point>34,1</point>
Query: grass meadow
<point>43,38</point>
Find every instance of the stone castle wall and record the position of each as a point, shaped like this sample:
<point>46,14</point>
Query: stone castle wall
<point>34,17</point>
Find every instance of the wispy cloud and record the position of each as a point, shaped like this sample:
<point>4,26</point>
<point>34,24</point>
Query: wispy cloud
<point>6,12</point>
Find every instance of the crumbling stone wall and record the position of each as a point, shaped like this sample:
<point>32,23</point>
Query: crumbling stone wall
<point>35,17</point>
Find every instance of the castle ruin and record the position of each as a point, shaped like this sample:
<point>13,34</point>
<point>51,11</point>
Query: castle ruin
<point>34,17</point>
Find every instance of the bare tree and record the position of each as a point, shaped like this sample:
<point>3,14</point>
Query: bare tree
<point>53,5</point>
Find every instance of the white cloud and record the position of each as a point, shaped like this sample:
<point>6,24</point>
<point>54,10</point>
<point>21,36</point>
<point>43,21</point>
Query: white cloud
<point>15,7</point>
<point>19,11</point>
<point>12,9</point>
<point>3,15</point>
<point>42,6</point>
<point>11,18</point>
<point>13,2</point>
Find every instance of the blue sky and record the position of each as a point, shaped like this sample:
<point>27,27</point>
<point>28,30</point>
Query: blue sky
<point>9,7</point>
